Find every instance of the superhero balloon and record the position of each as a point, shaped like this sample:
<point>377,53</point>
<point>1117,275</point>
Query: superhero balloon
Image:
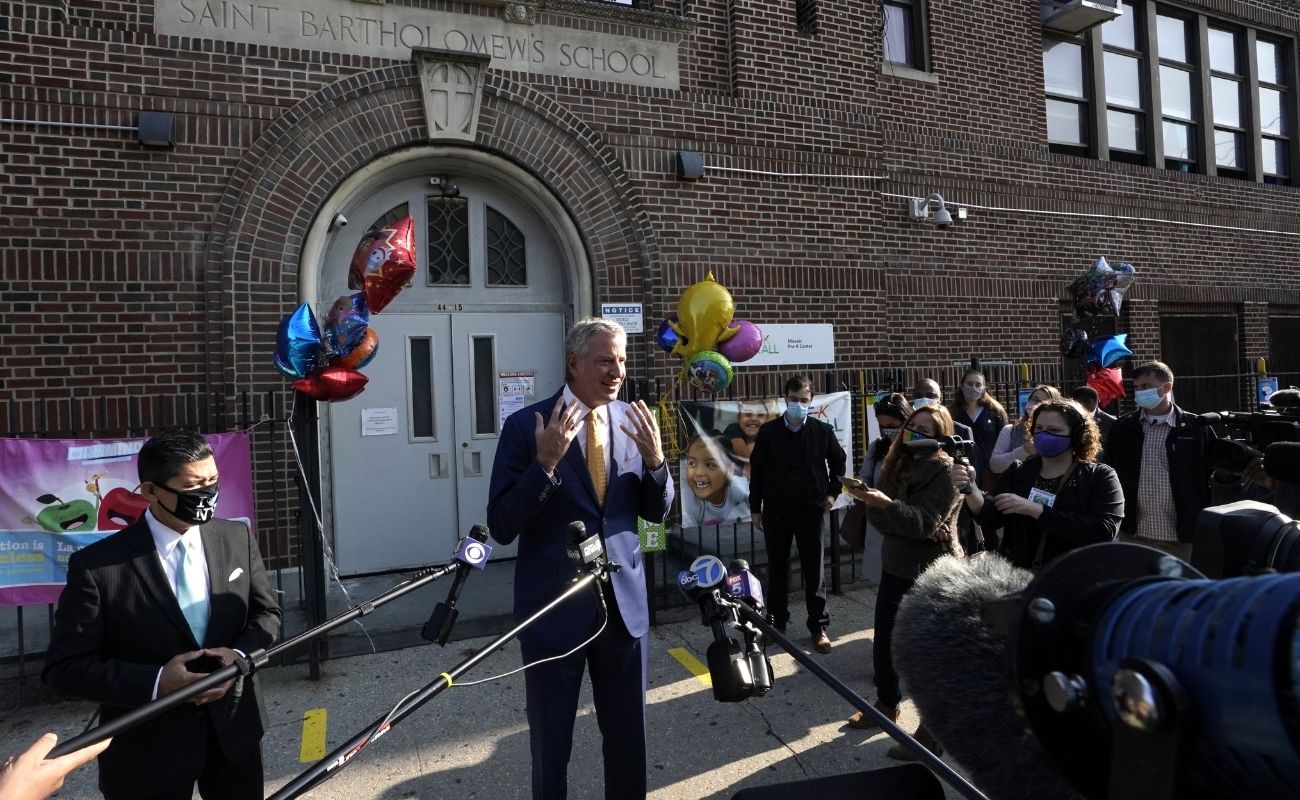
<point>298,343</point>
<point>346,322</point>
<point>1109,349</point>
<point>745,344</point>
<point>361,354</point>
<point>1099,292</point>
<point>384,263</point>
<point>1073,342</point>
<point>1109,383</point>
<point>709,371</point>
<point>703,318</point>
<point>332,384</point>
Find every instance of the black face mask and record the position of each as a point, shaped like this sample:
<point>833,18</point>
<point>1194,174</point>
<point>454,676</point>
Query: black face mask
<point>195,506</point>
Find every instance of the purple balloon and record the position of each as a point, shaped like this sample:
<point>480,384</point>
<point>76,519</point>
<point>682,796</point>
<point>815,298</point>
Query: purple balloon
<point>666,337</point>
<point>745,344</point>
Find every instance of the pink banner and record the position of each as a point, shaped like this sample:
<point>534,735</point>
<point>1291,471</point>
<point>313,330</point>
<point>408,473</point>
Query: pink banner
<point>59,495</point>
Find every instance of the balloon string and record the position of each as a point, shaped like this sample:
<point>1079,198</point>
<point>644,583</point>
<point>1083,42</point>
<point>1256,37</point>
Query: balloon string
<point>326,551</point>
<point>668,421</point>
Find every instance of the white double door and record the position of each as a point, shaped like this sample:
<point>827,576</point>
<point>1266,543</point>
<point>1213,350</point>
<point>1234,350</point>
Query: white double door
<point>411,457</point>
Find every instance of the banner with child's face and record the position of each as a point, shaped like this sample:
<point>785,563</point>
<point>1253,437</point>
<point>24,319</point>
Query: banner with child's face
<point>718,441</point>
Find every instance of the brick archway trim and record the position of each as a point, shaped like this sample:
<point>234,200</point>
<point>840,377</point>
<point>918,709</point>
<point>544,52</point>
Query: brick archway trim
<point>275,194</point>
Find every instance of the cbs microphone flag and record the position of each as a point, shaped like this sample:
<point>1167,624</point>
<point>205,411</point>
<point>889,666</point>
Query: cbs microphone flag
<point>59,495</point>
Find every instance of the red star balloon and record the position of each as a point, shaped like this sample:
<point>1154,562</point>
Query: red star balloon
<point>384,263</point>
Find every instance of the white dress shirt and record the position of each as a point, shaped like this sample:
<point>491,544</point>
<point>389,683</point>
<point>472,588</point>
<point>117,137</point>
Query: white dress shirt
<point>169,555</point>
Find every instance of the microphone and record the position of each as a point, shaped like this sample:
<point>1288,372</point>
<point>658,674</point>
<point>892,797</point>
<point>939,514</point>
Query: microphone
<point>955,668</point>
<point>1285,398</point>
<point>584,550</point>
<point>744,586</point>
<point>472,552</point>
<point>729,665</point>
<point>1282,460</point>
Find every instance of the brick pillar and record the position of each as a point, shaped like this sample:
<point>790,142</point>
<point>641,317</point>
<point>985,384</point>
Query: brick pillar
<point>1252,342</point>
<point>1143,340</point>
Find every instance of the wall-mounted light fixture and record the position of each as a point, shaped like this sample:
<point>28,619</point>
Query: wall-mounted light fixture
<point>918,210</point>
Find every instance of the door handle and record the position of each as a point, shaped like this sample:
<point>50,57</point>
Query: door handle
<point>472,463</point>
<point>437,466</point>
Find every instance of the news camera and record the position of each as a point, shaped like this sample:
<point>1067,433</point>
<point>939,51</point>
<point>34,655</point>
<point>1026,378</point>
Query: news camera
<point>1256,455</point>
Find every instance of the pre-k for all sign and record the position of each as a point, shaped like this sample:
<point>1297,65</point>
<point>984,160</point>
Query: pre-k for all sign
<point>794,344</point>
<point>392,31</point>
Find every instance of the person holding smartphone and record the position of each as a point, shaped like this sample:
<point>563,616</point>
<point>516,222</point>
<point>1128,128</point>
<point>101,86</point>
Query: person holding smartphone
<point>1059,498</point>
<point>915,509</point>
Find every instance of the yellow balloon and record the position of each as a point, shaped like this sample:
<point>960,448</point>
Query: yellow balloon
<point>703,318</point>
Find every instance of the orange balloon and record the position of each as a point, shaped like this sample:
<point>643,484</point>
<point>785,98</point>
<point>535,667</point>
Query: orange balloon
<point>362,354</point>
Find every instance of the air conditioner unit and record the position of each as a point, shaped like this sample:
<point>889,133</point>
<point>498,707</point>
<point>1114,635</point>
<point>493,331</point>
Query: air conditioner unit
<point>1077,16</point>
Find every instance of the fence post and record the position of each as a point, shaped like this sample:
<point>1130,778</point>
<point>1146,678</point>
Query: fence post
<point>306,432</point>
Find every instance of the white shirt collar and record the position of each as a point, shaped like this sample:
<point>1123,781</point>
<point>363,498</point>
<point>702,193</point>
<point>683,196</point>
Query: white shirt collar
<point>1151,419</point>
<point>165,539</point>
<point>570,398</point>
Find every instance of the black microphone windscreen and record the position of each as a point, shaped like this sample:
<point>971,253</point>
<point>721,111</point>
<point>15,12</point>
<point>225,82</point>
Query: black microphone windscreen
<point>1282,461</point>
<point>921,446</point>
<point>737,565</point>
<point>1285,398</point>
<point>955,668</point>
<point>479,533</point>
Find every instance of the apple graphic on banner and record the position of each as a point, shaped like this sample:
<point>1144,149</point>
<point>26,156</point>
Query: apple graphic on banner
<point>120,508</point>
<point>78,515</point>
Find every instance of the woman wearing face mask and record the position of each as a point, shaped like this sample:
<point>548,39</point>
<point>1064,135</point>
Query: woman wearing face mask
<point>915,509</point>
<point>974,406</point>
<point>891,414</point>
<point>1016,441</point>
<point>1057,499</point>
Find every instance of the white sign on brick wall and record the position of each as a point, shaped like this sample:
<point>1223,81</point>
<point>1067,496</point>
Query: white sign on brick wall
<point>794,344</point>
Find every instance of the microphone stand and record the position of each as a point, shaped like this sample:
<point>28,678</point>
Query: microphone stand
<point>243,666</point>
<point>936,764</point>
<point>340,756</point>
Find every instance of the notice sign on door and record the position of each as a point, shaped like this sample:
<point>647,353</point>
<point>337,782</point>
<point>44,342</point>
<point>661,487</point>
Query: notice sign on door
<point>378,422</point>
<point>516,390</point>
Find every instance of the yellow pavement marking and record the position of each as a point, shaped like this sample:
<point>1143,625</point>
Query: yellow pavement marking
<point>692,664</point>
<point>313,736</point>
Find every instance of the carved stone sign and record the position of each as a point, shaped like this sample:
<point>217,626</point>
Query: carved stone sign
<point>391,31</point>
<point>450,83</point>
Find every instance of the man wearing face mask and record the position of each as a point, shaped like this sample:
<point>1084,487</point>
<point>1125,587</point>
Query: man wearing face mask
<point>796,467</point>
<point>1159,453</point>
<point>927,391</point>
<point>148,611</point>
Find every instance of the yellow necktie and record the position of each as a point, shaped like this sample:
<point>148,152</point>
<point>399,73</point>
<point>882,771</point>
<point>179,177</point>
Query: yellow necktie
<point>596,456</point>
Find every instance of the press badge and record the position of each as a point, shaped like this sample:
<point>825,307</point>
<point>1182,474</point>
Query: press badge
<point>1041,497</point>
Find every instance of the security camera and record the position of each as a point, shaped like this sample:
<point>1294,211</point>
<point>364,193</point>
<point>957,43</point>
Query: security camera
<point>338,222</point>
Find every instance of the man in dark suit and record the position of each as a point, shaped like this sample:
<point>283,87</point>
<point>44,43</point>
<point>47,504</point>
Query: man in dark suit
<point>542,480</point>
<point>174,592</point>
<point>1087,397</point>
<point>795,477</point>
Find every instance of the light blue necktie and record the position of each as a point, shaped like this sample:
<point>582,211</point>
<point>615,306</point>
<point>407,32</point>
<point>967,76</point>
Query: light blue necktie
<point>191,592</point>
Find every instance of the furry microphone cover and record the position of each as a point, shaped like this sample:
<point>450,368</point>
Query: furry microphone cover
<point>955,669</point>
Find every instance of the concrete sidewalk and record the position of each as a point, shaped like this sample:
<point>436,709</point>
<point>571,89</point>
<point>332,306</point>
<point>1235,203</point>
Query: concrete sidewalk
<point>472,741</point>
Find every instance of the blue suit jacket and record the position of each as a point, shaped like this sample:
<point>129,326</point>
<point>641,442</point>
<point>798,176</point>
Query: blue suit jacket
<point>524,504</point>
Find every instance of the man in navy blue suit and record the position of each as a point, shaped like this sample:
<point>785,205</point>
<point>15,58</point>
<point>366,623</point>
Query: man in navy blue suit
<point>583,455</point>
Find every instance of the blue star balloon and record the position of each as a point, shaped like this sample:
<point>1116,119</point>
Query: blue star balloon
<point>1109,349</point>
<point>298,343</point>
